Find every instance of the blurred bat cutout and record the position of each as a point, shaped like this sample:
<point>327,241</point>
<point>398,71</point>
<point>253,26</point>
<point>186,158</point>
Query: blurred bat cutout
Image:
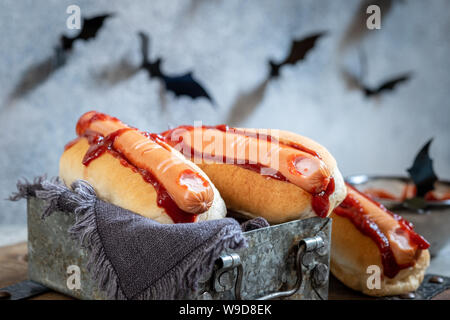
<point>184,84</point>
<point>247,102</point>
<point>38,73</point>
<point>421,172</point>
<point>298,51</point>
<point>116,73</point>
<point>354,82</point>
<point>90,29</point>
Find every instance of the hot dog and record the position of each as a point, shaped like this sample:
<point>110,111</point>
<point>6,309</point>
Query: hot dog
<point>366,234</point>
<point>274,174</point>
<point>180,188</point>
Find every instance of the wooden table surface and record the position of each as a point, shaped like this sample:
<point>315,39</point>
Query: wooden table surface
<point>14,268</point>
<point>14,265</point>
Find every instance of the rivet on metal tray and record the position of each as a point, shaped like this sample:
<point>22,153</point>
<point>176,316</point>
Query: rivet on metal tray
<point>409,295</point>
<point>308,260</point>
<point>226,281</point>
<point>320,275</point>
<point>4,295</point>
<point>223,280</point>
<point>436,279</point>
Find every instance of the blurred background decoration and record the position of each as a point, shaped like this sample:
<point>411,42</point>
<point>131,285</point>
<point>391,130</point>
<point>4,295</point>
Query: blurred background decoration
<point>235,50</point>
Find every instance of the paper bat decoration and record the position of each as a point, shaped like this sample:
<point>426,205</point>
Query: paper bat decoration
<point>421,172</point>
<point>180,85</point>
<point>247,102</point>
<point>38,73</point>
<point>388,85</point>
<point>89,30</point>
<point>355,83</point>
<point>298,51</point>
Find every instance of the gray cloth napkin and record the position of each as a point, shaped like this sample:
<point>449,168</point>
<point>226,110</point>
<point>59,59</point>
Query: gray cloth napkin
<point>133,257</point>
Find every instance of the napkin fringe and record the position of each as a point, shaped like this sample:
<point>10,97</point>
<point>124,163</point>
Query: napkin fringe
<point>85,231</point>
<point>82,197</point>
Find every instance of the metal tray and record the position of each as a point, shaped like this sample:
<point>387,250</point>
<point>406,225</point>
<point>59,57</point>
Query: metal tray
<point>289,260</point>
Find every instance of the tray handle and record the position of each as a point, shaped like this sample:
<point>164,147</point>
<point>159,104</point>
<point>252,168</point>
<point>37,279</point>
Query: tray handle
<point>231,261</point>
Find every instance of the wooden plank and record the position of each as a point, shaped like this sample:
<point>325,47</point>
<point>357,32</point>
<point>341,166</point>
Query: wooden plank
<point>14,268</point>
<point>13,264</point>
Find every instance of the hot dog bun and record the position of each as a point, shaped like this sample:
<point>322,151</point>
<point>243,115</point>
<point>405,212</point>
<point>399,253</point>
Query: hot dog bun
<point>354,248</point>
<point>284,195</point>
<point>139,173</point>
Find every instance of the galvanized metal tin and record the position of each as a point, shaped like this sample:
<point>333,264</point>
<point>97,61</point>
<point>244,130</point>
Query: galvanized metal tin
<point>273,262</point>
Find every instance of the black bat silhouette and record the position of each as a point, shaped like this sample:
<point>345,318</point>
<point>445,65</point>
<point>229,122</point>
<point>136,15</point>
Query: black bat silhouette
<point>388,85</point>
<point>246,103</point>
<point>38,73</point>
<point>421,172</point>
<point>356,83</point>
<point>298,51</point>
<point>184,84</point>
<point>88,31</point>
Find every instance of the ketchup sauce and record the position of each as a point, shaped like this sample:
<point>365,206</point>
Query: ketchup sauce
<point>84,124</point>
<point>257,135</point>
<point>320,201</point>
<point>98,145</point>
<point>268,138</point>
<point>352,209</point>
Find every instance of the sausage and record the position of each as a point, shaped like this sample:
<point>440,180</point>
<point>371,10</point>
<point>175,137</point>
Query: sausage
<point>367,235</point>
<point>190,191</point>
<point>233,146</point>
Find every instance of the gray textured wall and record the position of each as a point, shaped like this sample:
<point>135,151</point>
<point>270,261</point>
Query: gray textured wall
<point>227,44</point>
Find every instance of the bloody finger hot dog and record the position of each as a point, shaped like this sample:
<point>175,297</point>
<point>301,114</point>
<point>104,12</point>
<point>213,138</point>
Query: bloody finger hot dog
<point>366,234</point>
<point>107,150</point>
<point>275,174</point>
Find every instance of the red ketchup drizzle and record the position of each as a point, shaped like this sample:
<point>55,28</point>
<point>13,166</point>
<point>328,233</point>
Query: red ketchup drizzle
<point>257,135</point>
<point>84,124</point>
<point>165,201</point>
<point>320,201</point>
<point>352,209</point>
<point>100,144</point>
<point>268,138</point>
